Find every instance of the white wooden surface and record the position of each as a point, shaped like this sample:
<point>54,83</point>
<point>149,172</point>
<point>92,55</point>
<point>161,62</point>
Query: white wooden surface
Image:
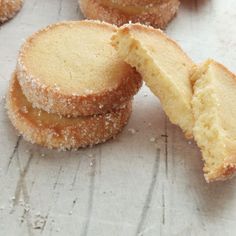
<point>129,186</point>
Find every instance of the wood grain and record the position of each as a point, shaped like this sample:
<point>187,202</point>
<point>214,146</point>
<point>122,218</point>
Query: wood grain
<point>128,186</point>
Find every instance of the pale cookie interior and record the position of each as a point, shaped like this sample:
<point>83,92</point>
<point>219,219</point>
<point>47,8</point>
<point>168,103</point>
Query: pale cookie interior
<point>164,67</point>
<point>215,112</point>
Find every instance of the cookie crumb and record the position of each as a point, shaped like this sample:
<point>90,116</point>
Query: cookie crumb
<point>152,139</point>
<point>132,131</point>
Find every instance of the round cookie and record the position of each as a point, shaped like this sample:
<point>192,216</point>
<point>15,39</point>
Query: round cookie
<point>157,13</point>
<point>8,8</point>
<point>71,69</point>
<point>53,131</point>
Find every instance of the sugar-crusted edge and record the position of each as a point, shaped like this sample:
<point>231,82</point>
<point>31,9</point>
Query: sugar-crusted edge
<point>9,9</point>
<point>81,135</point>
<point>158,16</point>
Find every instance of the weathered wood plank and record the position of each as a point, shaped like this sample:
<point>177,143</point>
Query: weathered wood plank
<point>128,186</point>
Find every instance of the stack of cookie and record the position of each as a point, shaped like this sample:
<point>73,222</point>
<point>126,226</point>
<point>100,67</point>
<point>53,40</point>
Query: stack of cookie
<point>157,13</point>
<point>74,83</point>
<point>8,8</point>
<point>70,88</point>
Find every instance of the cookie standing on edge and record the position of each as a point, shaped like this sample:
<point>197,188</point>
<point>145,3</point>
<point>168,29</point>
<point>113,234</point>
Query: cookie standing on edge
<point>157,13</point>
<point>164,67</point>
<point>8,9</point>
<point>215,114</point>
<point>71,69</point>
<point>53,131</point>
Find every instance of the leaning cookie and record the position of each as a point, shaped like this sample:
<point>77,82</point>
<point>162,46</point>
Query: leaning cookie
<point>8,9</point>
<point>163,65</point>
<point>156,13</point>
